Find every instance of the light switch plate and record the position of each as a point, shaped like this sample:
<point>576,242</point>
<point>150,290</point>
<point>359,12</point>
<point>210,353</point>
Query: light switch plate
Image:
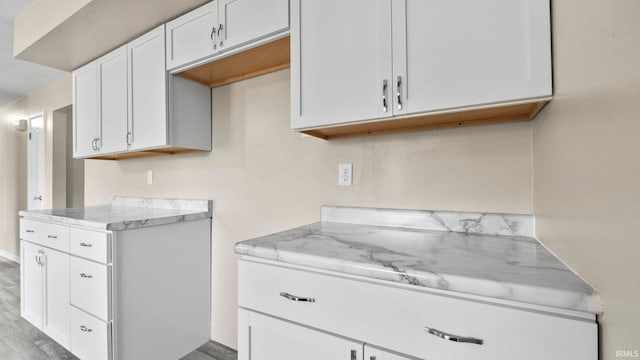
<point>345,174</point>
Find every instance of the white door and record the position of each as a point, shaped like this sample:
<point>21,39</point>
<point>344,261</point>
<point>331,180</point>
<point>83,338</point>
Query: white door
<point>85,111</point>
<point>243,21</point>
<point>371,353</point>
<point>56,309</point>
<point>35,160</point>
<point>459,53</point>
<point>340,61</point>
<point>31,295</point>
<point>112,70</point>
<point>192,36</point>
<point>276,339</point>
<point>148,90</point>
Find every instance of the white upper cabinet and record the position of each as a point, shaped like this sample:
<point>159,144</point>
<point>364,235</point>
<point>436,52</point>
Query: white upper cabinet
<point>450,54</point>
<point>340,61</point>
<point>351,58</point>
<point>86,117</point>
<point>112,70</point>
<point>125,102</point>
<point>148,90</point>
<point>223,25</point>
<point>191,36</point>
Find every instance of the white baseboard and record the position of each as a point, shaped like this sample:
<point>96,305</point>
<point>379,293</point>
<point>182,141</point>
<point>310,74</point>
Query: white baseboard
<point>9,256</point>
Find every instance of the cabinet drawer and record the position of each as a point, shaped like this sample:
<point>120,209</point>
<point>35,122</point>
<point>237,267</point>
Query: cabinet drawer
<point>45,234</point>
<point>89,244</point>
<point>90,337</point>
<point>400,319</point>
<point>90,287</point>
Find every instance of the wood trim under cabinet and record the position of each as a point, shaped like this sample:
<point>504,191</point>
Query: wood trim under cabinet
<point>146,153</point>
<point>480,116</point>
<point>263,59</point>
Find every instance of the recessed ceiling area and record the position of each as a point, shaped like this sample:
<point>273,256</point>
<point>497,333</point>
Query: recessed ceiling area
<point>82,30</point>
<point>18,77</point>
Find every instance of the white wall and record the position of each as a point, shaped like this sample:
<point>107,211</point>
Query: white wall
<point>586,158</point>
<point>266,178</point>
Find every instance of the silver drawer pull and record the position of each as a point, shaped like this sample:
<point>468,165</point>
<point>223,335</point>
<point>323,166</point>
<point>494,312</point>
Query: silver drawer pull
<point>296,298</point>
<point>30,231</point>
<point>52,237</point>
<point>85,329</point>
<point>454,338</point>
<point>85,245</point>
<point>85,276</point>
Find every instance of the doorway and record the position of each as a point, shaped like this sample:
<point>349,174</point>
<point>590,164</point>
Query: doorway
<point>35,158</point>
<point>67,172</point>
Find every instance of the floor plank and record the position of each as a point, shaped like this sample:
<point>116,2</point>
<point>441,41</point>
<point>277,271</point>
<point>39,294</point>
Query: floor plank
<point>19,340</point>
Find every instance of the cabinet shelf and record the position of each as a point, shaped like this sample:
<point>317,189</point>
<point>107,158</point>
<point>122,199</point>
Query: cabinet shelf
<point>438,120</point>
<point>260,60</point>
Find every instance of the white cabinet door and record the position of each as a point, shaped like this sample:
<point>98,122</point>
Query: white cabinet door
<point>243,21</point>
<point>112,70</point>
<point>85,111</point>
<point>32,298</point>
<point>192,36</point>
<point>276,339</point>
<point>56,281</point>
<point>459,53</point>
<point>340,60</point>
<point>148,90</point>
<point>371,353</point>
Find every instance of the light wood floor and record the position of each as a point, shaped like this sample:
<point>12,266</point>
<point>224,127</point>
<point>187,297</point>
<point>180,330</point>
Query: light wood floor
<point>19,340</point>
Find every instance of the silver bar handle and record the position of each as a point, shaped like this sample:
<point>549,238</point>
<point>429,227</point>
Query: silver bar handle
<point>220,35</point>
<point>93,144</point>
<point>85,329</point>
<point>85,245</point>
<point>38,260</point>
<point>213,38</point>
<point>85,276</point>
<point>454,338</point>
<point>399,92</point>
<point>384,95</point>
<point>52,236</point>
<point>31,231</point>
<point>296,298</point>
<point>354,354</point>
<point>39,197</point>
<point>97,145</point>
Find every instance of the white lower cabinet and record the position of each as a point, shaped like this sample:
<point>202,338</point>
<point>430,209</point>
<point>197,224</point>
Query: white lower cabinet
<point>45,290</point>
<point>299,305</point>
<point>109,295</point>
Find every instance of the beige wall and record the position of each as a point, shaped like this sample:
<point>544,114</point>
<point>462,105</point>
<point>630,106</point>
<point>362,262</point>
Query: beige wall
<point>265,178</point>
<point>13,155</point>
<point>587,158</point>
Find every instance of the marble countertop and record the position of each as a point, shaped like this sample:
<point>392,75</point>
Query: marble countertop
<point>426,253</point>
<point>127,213</point>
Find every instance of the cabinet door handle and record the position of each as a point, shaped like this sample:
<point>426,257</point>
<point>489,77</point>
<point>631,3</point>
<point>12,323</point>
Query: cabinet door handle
<point>213,38</point>
<point>52,236</point>
<point>454,338</point>
<point>85,329</point>
<point>354,354</point>
<point>399,92</point>
<point>384,95</point>
<point>85,245</point>
<point>39,197</point>
<point>97,146</point>
<point>220,35</point>
<point>38,260</point>
<point>296,298</point>
<point>30,231</point>
<point>86,276</point>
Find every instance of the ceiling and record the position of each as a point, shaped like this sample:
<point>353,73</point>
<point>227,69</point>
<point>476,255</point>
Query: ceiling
<point>18,77</point>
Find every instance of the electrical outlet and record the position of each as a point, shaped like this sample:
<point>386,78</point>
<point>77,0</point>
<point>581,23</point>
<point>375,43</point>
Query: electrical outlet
<point>345,172</point>
<point>149,177</point>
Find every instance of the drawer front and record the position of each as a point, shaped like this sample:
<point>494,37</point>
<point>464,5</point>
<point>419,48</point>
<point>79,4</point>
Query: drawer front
<point>90,244</point>
<point>412,322</point>
<point>45,234</point>
<point>90,337</point>
<point>90,287</point>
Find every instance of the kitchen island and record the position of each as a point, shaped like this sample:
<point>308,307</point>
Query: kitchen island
<point>127,280</point>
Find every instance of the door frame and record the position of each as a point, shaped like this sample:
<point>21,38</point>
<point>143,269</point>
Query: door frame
<point>32,203</point>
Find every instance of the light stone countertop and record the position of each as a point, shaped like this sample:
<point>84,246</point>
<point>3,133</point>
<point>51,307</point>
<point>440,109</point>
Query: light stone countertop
<point>425,252</point>
<point>127,213</point>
